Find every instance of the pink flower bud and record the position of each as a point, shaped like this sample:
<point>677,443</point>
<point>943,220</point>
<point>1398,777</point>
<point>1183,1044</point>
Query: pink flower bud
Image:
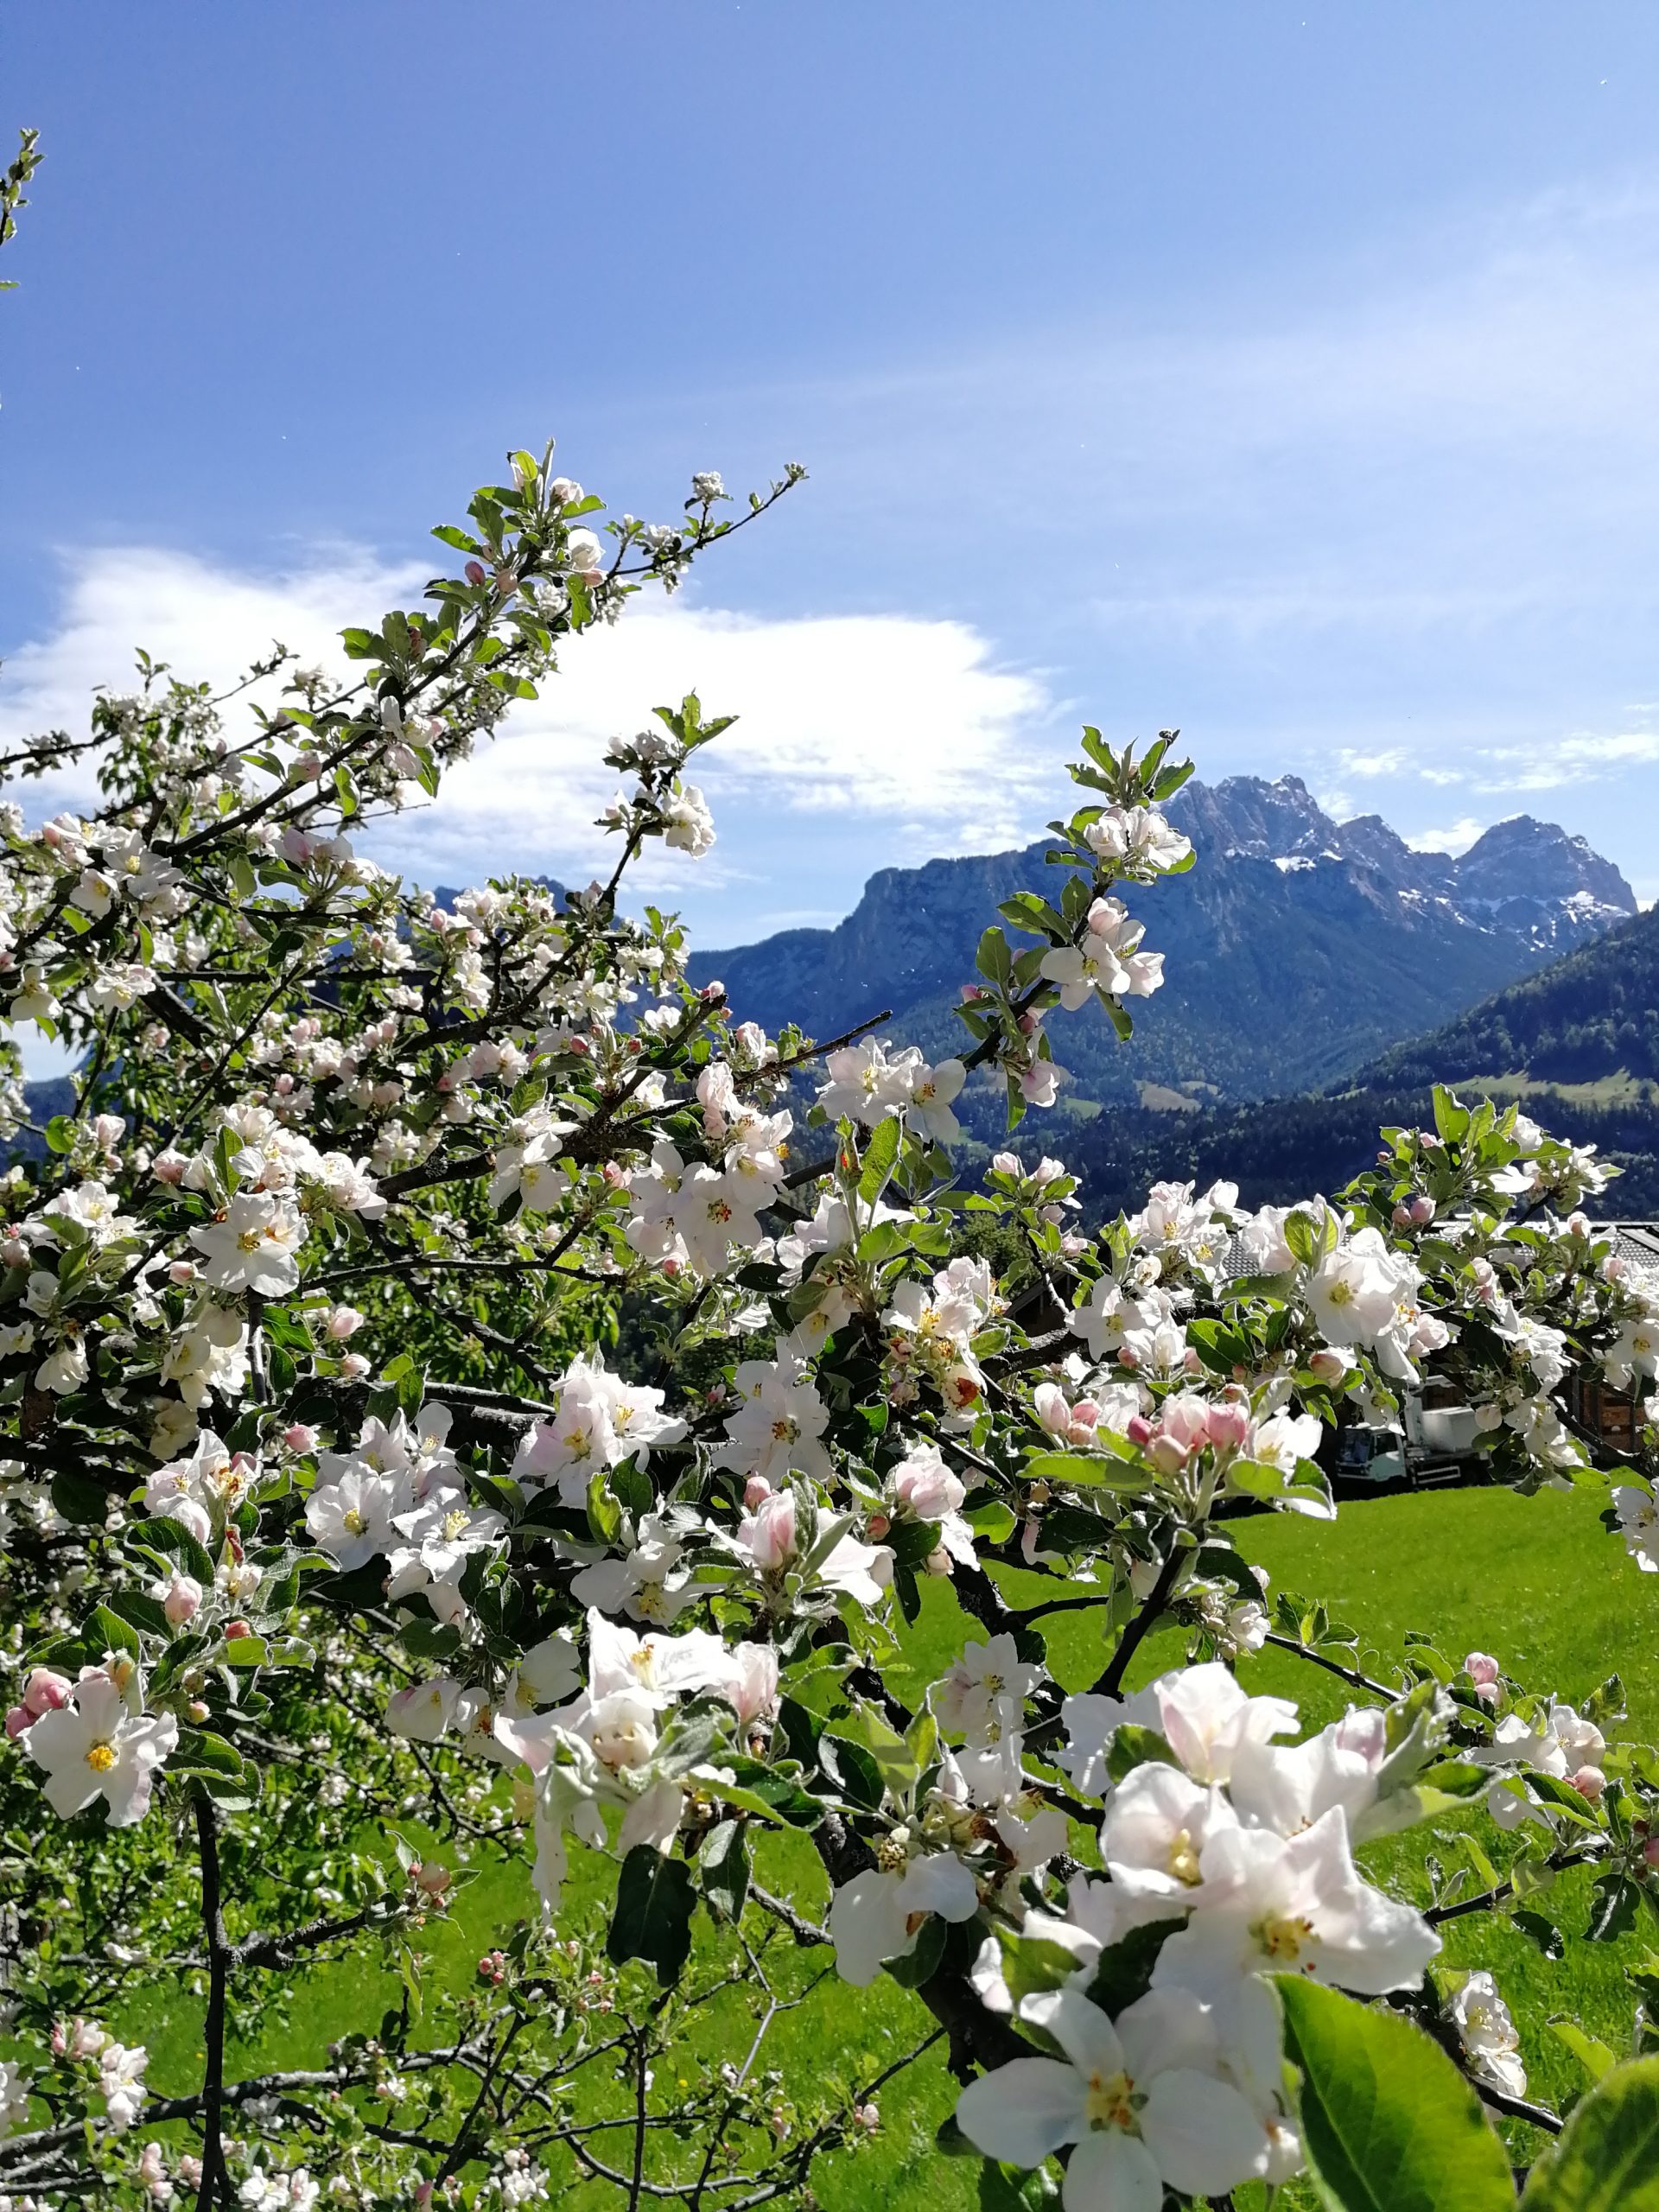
<point>1401,1216</point>
<point>937,1560</point>
<point>1008,1163</point>
<point>19,1718</point>
<point>343,1321</point>
<point>475,572</point>
<point>1327,1366</point>
<point>768,1532</point>
<point>299,1438</point>
<point>234,1630</point>
<point>182,1600</point>
<point>1590,1781</point>
<point>46,1691</point>
<point>1422,1210</point>
<point>1228,1427</point>
<point>1481,1667</point>
<point>756,1491</point>
<point>60,2039</point>
<point>877,1527</point>
<point>182,1271</point>
<point>353,1367</point>
<point>1138,1429</point>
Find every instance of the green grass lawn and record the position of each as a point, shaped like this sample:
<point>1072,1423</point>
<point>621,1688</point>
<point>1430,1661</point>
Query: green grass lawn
<point>1536,1581</point>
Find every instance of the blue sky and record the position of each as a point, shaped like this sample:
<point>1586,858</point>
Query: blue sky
<point>1284,372</point>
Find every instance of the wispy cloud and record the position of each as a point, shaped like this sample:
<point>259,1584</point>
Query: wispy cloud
<point>1456,838</point>
<point>843,720</point>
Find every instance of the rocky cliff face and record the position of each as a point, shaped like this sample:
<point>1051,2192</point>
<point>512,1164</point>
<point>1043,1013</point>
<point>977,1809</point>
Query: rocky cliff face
<point>1298,947</point>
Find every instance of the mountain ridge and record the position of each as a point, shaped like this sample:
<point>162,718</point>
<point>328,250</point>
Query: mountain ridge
<point>1298,949</point>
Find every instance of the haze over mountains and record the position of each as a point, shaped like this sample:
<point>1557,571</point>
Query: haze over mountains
<point>1298,949</point>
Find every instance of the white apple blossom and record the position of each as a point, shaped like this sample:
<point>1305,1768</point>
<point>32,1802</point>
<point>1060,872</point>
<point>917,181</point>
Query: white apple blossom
<point>1296,1904</point>
<point>252,1246</point>
<point>1487,2032</point>
<point>96,1746</point>
<point>879,1914</point>
<point>1140,2098</point>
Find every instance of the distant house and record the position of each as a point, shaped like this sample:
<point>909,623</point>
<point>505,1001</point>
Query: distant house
<point>1434,1439</point>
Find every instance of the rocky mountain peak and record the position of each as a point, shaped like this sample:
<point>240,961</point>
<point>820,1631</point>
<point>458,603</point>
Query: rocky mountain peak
<point>1523,858</point>
<point>1250,817</point>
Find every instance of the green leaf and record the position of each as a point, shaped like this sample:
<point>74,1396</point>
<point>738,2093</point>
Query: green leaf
<point>1133,1746</point>
<point>604,1512</point>
<point>655,1897</point>
<point>115,1634</point>
<point>1590,2051</point>
<point>1007,2189</point>
<point>1388,2123</point>
<point>853,1769</point>
<point>1088,1471</point>
<point>1607,2160</point>
<point>1538,1929</point>
<point>723,1864</point>
<point>163,1534</point>
<point>892,1753</point>
<point>78,1498</point>
<point>994,960</point>
<point>1032,1964</point>
<point>920,1964</point>
<point>201,1753</point>
<point>1612,1907</point>
<point>879,1155</point>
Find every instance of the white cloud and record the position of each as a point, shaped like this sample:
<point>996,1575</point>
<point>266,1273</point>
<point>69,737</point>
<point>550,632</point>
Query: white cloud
<point>841,717</point>
<point>1548,763</point>
<point>1392,762</point>
<point>1457,839</point>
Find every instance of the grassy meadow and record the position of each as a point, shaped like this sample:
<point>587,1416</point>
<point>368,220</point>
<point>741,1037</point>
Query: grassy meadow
<point>1537,1581</point>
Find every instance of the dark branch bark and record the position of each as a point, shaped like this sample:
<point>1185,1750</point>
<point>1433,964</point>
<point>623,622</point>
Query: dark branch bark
<point>215,2179</point>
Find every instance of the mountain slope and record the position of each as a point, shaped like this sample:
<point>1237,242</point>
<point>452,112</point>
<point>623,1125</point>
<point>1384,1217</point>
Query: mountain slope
<point>1297,949</point>
<point>1579,1040</point>
<point>1592,1015</point>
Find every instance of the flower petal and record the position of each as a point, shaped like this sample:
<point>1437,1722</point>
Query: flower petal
<point>1112,2172</point>
<point>1082,2030</point>
<point>1023,2110</point>
<point>1201,2131</point>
